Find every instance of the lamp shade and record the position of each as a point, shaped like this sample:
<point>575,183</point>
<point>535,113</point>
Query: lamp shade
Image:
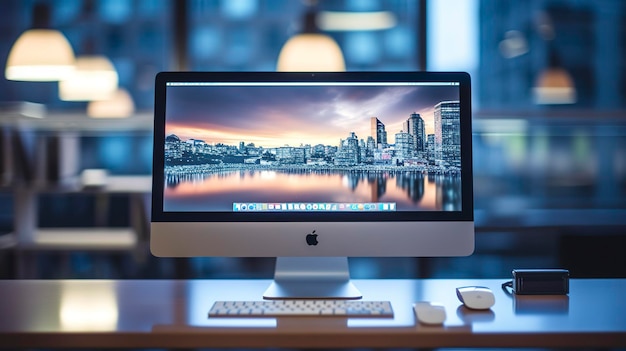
<point>554,86</point>
<point>311,52</point>
<point>42,55</point>
<point>94,78</point>
<point>119,105</point>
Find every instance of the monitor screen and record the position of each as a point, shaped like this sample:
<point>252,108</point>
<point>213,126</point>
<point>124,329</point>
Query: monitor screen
<point>312,164</point>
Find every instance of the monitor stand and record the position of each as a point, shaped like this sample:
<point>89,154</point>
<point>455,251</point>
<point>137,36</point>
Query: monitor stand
<point>312,278</point>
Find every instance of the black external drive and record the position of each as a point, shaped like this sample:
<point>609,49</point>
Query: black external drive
<point>540,281</point>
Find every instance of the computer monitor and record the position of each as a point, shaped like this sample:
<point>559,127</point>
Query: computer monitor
<point>312,168</point>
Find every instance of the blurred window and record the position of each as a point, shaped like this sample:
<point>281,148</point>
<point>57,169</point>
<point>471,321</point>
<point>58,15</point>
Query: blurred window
<point>138,36</point>
<point>248,34</point>
<point>452,35</point>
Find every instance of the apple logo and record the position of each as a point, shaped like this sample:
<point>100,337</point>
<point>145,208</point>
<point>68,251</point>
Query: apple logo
<point>311,239</point>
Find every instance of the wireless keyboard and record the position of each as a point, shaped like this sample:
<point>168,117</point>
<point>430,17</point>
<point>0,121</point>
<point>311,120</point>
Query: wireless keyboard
<point>296,308</point>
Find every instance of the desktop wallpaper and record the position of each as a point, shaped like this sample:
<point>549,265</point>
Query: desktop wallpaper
<point>312,148</point>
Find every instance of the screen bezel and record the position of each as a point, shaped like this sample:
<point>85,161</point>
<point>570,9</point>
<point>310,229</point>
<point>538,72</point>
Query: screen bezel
<point>467,209</point>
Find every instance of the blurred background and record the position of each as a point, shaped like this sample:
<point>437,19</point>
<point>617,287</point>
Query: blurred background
<point>549,119</point>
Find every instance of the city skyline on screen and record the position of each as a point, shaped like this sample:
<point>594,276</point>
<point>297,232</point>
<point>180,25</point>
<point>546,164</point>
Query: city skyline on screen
<point>296,115</point>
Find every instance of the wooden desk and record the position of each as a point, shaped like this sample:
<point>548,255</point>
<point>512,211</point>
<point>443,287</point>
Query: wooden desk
<point>173,314</point>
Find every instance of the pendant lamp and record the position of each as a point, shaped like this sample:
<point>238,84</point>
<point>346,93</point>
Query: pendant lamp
<point>554,85</point>
<point>94,78</point>
<point>311,50</point>
<point>40,54</point>
<point>119,105</point>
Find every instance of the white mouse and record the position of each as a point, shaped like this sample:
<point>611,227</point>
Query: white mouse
<point>429,312</point>
<point>476,297</point>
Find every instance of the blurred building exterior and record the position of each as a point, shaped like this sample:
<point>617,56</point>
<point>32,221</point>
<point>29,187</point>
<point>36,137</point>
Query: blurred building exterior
<point>587,38</point>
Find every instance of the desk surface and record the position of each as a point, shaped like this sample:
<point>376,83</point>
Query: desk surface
<point>173,314</point>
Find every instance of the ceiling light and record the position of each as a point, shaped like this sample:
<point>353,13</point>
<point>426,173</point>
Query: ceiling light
<point>94,78</point>
<point>40,55</point>
<point>554,86</point>
<point>355,21</point>
<point>311,50</point>
<point>513,45</point>
<point>119,105</point>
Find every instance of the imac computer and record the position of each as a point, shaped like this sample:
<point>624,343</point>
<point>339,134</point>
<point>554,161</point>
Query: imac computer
<point>312,168</point>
